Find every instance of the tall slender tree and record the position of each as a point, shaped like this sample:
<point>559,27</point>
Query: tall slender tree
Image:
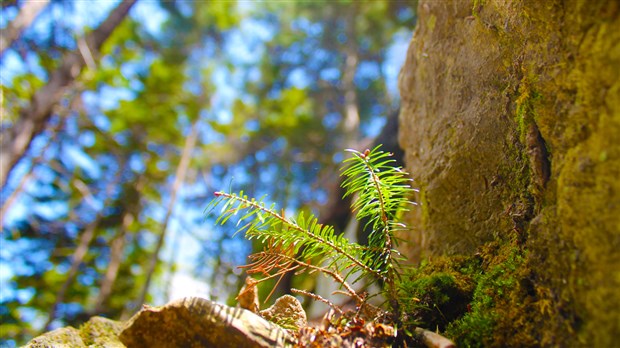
<point>33,118</point>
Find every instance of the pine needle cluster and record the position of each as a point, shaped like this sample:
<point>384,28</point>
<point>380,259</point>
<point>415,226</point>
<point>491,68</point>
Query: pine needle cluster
<point>301,244</point>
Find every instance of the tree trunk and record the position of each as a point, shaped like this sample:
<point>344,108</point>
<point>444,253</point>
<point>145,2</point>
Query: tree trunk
<point>27,13</point>
<point>32,119</point>
<point>351,122</point>
<point>190,143</point>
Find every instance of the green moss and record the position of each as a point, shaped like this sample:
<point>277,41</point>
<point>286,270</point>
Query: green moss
<point>476,7</point>
<point>526,103</point>
<point>431,22</point>
<point>101,331</point>
<point>437,299</point>
<point>437,292</point>
<point>474,329</point>
<point>483,300</point>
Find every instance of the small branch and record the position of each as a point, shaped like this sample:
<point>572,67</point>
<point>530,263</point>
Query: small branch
<point>318,298</point>
<point>334,275</point>
<point>377,182</point>
<point>86,54</point>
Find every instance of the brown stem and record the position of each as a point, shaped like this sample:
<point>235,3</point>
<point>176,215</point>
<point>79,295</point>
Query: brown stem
<point>318,298</point>
<point>328,272</point>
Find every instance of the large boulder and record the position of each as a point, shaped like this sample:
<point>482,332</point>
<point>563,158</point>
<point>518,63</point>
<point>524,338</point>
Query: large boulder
<point>510,120</point>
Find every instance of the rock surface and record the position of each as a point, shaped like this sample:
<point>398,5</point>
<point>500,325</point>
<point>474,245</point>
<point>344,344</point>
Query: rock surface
<point>286,311</point>
<point>63,337</point>
<point>510,118</point>
<point>97,332</point>
<point>198,322</point>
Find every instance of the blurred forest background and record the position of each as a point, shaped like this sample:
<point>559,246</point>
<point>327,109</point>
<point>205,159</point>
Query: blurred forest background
<point>119,120</point>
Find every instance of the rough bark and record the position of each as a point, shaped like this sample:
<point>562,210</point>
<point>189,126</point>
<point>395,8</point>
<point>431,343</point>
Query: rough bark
<point>32,119</point>
<point>509,118</point>
<point>27,14</point>
<point>189,322</point>
<point>131,205</point>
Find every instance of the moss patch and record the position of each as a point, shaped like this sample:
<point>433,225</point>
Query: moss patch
<point>438,293</point>
<point>484,300</point>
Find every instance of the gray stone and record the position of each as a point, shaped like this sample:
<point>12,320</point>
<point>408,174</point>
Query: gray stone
<point>198,322</point>
<point>286,311</point>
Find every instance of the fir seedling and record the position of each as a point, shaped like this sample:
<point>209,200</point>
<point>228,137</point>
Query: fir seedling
<point>301,244</point>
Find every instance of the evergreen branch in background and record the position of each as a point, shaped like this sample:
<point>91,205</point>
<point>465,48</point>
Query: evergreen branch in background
<point>292,244</point>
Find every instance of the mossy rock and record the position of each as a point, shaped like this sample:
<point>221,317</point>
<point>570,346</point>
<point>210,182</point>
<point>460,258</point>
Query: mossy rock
<point>97,332</point>
<point>510,118</point>
<point>438,293</point>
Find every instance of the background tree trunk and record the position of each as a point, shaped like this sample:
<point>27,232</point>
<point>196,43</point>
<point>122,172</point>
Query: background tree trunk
<point>27,13</point>
<point>190,143</point>
<point>33,118</point>
<point>351,122</point>
<point>132,206</point>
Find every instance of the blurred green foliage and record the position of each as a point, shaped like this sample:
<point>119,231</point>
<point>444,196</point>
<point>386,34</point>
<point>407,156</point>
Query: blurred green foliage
<point>263,83</point>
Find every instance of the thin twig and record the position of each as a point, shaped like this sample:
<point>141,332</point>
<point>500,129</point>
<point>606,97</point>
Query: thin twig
<point>318,298</point>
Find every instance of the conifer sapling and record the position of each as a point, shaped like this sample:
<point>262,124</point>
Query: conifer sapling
<point>300,244</point>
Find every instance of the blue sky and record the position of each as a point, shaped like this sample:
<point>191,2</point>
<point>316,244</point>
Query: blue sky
<point>244,43</point>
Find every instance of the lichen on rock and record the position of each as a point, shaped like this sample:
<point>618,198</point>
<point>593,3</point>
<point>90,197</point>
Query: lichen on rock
<point>63,337</point>
<point>286,312</point>
<point>97,332</point>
